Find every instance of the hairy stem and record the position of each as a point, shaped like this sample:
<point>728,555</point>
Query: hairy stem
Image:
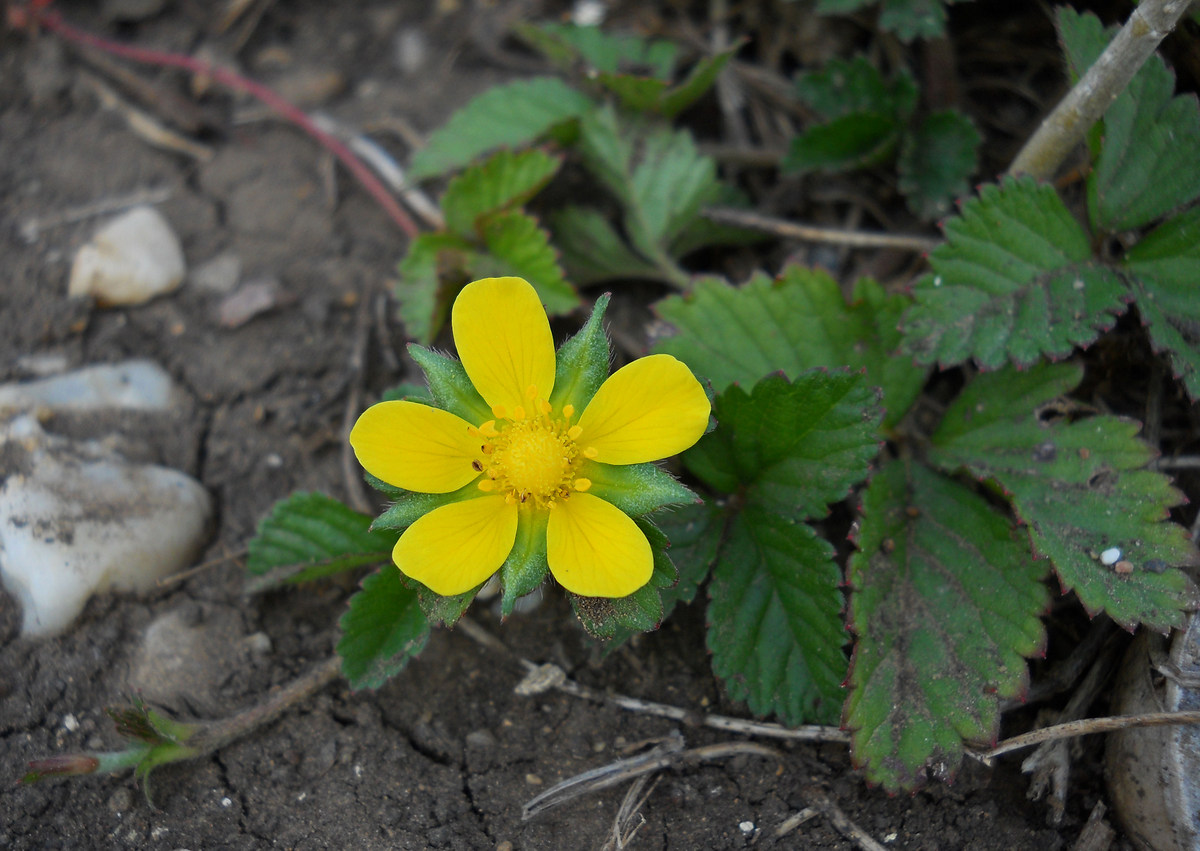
<point>1109,75</point>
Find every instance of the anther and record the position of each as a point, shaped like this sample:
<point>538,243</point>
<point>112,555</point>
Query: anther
<point>573,432</point>
<point>499,411</point>
<point>568,411</point>
<point>518,413</point>
<point>487,485</point>
<point>488,429</point>
<point>582,484</point>
<point>591,452</point>
<point>477,466</point>
<point>544,406</point>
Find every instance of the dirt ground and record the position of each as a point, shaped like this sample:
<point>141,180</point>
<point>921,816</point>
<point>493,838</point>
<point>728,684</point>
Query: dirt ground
<point>446,754</point>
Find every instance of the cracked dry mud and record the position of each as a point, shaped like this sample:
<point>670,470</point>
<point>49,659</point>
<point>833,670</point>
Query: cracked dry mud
<point>445,755</point>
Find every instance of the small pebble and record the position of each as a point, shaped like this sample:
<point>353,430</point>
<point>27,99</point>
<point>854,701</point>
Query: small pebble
<point>533,780</point>
<point>130,260</point>
<point>1110,556</point>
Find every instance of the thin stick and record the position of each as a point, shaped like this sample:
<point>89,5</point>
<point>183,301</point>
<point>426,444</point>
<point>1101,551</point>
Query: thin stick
<point>1088,726</point>
<point>837,236</point>
<point>840,820</point>
<point>1088,100</point>
<point>30,229</point>
<point>54,22</point>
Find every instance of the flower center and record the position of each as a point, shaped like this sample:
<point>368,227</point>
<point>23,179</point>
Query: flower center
<point>531,459</point>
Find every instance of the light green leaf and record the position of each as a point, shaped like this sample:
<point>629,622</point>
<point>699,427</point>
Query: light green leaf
<point>1082,490</point>
<point>517,245</point>
<point>776,631</point>
<point>503,181</point>
<point>936,161</point>
<point>858,140</point>
<point>848,86</point>
<point>418,287</point>
<point>310,535</point>
<point>382,630</point>
<point>945,602</point>
<point>801,321</point>
<point>1015,280</point>
<point>1143,169</point>
<point>1165,272</point>
<point>593,251</point>
<point>512,115</point>
<point>602,51</point>
<point>800,445</point>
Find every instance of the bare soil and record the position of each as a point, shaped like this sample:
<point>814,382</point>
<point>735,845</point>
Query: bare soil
<point>446,754</point>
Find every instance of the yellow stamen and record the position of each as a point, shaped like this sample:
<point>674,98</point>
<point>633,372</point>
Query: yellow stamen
<point>573,432</point>
<point>591,452</point>
<point>568,411</point>
<point>487,485</point>
<point>531,460</point>
<point>499,411</point>
<point>582,484</point>
<point>544,407</point>
<point>531,392</point>
<point>518,413</point>
<point>488,429</point>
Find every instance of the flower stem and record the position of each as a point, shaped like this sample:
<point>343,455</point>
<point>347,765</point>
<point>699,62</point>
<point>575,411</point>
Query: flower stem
<point>53,21</point>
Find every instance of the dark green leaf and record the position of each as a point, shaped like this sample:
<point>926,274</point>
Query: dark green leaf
<point>1081,488</point>
<point>858,140</point>
<point>945,603</point>
<point>512,114</point>
<point>847,86</point>
<point>801,444</point>
<point>936,161</point>
<point>503,181</point>
<point>381,631</point>
<point>1165,267</point>
<point>601,51</point>
<point>309,535</point>
<point>517,246</point>
<point>1015,280</point>
<point>699,80</point>
<point>776,631</point>
<point>1143,168</point>
<point>740,334</point>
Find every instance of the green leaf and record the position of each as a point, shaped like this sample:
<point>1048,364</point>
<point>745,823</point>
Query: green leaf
<point>503,181</point>
<point>517,246</point>
<point>936,161</point>
<point>581,364</point>
<point>740,334</point>
<point>945,603</point>
<point>513,114</point>
<point>593,251</point>
<point>1081,488</point>
<point>1165,272</point>
<point>1015,280</point>
<point>657,174</point>
<point>848,86</point>
<point>419,281</point>
<point>382,630</point>
<point>858,140</point>
<point>1142,170</point>
<point>801,444</point>
<point>776,631</point>
<point>603,51</point>
<point>908,19</point>
<point>309,535</point>
<point>693,532</point>
<point>698,81</point>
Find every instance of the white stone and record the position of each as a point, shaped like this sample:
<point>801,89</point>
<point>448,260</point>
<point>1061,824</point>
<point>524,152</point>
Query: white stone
<point>130,260</point>
<point>76,519</point>
<point>136,385</point>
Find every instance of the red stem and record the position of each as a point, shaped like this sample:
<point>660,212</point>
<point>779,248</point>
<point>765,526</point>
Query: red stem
<point>54,22</point>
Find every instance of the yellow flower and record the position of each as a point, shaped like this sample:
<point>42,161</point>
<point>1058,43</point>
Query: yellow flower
<point>526,470</point>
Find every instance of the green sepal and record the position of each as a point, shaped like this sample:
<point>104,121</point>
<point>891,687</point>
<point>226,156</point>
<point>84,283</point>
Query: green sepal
<point>406,391</point>
<point>641,611</point>
<point>439,610</point>
<point>410,506</point>
<point>636,489</point>
<point>582,362</point>
<point>526,565</point>
<point>449,385</point>
<point>383,487</point>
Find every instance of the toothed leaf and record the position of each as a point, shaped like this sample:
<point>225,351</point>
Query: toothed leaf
<point>382,630</point>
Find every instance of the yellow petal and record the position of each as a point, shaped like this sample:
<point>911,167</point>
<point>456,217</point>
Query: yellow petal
<point>504,341</point>
<point>595,550</point>
<point>415,447</point>
<point>456,547</point>
<point>646,410</point>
